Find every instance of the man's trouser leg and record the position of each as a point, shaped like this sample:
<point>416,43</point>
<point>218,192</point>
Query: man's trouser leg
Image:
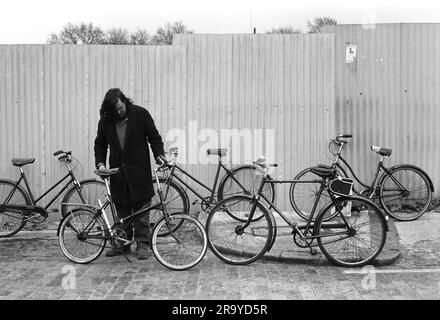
<point>125,211</point>
<point>141,224</point>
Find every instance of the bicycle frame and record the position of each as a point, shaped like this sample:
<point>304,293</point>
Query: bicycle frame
<point>371,189</point>
<point>294,225</point>
<point>212,190</point>
<point>28,189</point>
<point>100,211</point>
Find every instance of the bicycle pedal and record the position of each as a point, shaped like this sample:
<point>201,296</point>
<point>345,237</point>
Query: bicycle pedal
<point>54,210</point>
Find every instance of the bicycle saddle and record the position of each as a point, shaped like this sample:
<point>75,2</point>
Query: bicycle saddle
<point>323,172</point>
<point>382,151</point>
<point>106,172</point>
<point>19,162</point>
<point>217,152</point>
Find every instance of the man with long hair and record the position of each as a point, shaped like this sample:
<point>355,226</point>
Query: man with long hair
<point>127,129</point>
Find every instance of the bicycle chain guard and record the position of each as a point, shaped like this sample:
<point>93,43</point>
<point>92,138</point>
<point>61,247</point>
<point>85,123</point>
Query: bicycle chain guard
<point>118,233</point>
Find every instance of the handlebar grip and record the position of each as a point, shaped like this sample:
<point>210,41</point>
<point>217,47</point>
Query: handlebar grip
<point>347,136</point>
<point>58,152</point>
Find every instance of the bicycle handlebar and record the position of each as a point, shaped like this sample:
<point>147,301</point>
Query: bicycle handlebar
<point>67,153</point>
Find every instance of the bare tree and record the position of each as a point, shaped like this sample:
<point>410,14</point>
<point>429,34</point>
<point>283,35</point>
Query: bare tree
<point>165,35</point>
<point>118,36</point>
<point>140,37</point>
<point>78,34</point>
<point>285,30</point>
<point>318,23</point>
<point>89,34</point>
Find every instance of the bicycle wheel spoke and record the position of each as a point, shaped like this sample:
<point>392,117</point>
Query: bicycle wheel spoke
<point>414,196</point>
<point>11,222</point>
<point>82,236</point>
<point>182,248</point>
<point>365,234</point>
<point>228,240</point>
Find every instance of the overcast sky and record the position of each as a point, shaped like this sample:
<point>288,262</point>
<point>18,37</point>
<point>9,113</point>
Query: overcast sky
<point>31,21</point>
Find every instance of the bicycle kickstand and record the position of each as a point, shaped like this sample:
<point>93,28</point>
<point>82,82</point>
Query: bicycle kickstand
<point>125,256</point>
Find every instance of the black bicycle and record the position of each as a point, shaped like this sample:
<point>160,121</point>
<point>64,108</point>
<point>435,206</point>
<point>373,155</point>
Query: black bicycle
<point>404,191</point>
<point>84,232</point>
<point>18,205</point>
<point>243,179</point>
<point>350,230</point>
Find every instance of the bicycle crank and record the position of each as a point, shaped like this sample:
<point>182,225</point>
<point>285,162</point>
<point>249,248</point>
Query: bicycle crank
<point>300,241</point>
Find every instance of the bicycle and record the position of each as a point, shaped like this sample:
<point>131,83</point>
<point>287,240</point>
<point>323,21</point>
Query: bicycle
<point>238,180</point>
<point>84,232</point>
<point>18,205</point>
<point>404,191</point>
<point>353,236</point>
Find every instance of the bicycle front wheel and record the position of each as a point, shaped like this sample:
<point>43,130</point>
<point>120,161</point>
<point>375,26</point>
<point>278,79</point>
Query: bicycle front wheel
<point>174,199</point>
<point>355,235</point>
<point>82,235</point>
<point>181,248</point>
<point>11,222</point>
<point>227,238</point>
<point>88,192</point>
<point>405,193</point>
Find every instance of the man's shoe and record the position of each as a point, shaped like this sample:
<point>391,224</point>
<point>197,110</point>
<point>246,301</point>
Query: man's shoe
<point>115,252</point>
<point>143,253</point>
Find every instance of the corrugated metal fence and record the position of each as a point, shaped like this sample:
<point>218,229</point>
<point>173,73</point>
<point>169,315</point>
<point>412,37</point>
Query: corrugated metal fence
<point>51,95</point>
<point>389,94</point>
<point>275,91</point>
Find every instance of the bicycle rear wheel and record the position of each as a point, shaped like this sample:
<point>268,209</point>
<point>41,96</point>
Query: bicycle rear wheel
<point>88,193</point>
<point>82,235</point>
<point>226,237</point>
<point>355,235</point>
<point>181,248</point>
<point>249,178</point>
<point>405,193</point>
<point>303,195</point>
<point>11,222</point>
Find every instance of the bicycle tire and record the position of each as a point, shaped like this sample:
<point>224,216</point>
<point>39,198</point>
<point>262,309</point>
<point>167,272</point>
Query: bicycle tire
<point>181,248</point>
<point>365,220</point>
<point>248,176</point>
<point>228,242</point>
<point>71,222</point>
<point>11,223</point>
<point>302,196</point>
<point>176,201</point>
<point>89,192</point>
<point>410,206</point>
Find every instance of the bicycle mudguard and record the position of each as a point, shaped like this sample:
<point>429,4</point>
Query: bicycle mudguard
<point>397,166</point>
<point>65,217</point>
<point>24,207</point>
<point>274,226</point>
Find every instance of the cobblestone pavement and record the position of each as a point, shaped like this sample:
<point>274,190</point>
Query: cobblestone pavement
<point>33,267</point>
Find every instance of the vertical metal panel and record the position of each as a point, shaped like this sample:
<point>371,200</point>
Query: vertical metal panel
<point>280,83</point>
<point>389,95</point>
<point>51,95</point>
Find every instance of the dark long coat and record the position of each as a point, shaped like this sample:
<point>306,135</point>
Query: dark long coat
<point>134,159</point>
